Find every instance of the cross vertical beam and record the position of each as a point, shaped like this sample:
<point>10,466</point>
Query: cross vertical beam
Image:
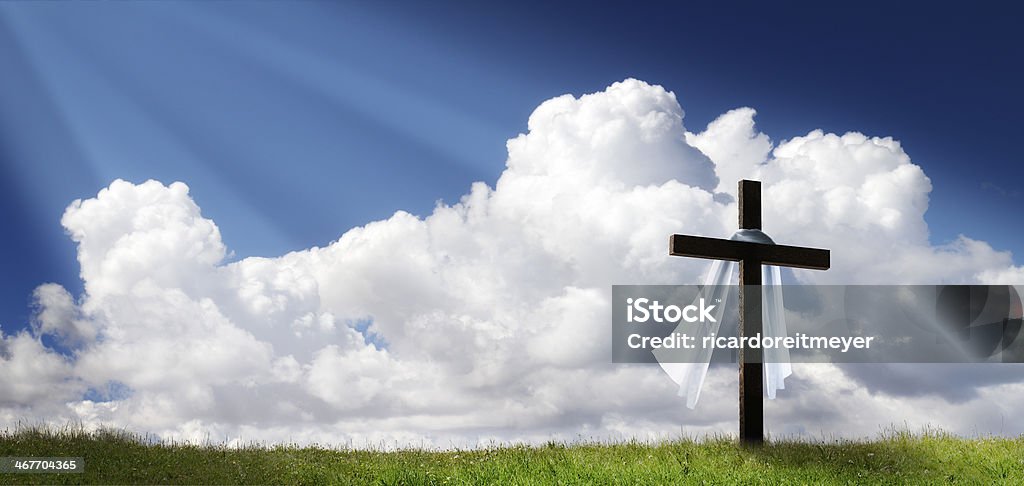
<point>750,361</point>
<point>750,204</point>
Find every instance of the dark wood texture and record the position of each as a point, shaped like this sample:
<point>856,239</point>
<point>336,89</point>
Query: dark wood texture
<point>750,360</point>
<point>751,363</point>
<point>749,204</point>
<point>722,249</point>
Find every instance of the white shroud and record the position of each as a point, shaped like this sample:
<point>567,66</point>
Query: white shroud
<point>689,374</point>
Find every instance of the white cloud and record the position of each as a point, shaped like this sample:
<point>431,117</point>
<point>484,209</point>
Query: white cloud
<point>486,319</point>
<point>57,315</point>
<point>734,145</point>
<point>30,374</point>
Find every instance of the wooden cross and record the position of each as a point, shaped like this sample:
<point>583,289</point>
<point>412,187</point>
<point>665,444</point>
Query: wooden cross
<point>751,256</point>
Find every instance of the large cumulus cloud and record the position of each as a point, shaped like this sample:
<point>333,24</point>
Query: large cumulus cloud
<point>486,319</point>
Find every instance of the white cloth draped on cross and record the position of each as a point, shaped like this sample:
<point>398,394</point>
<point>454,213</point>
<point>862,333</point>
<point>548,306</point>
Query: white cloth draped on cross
<point>689,368</point>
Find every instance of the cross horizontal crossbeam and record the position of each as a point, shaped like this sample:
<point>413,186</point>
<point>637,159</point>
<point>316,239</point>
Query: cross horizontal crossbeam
<point>765,254</point>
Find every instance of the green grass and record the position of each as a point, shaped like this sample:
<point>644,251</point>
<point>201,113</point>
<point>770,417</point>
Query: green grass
<point>895,458</point>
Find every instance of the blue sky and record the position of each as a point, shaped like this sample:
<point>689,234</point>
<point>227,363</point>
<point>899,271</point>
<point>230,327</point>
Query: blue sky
<point>294,122</point>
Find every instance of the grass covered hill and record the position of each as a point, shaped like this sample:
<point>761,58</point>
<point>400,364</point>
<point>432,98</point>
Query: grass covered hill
<point>113,457</point>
